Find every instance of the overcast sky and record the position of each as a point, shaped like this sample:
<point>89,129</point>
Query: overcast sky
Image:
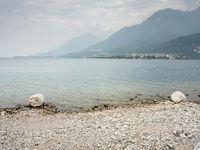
<point>32,26</point>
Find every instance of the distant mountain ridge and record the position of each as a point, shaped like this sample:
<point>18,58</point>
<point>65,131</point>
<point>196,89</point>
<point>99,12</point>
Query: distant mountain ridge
<point>74,45</point>
<point>188,46</point>
<point>163,26</point>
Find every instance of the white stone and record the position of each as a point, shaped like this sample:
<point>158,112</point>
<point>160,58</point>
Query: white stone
<point>3,113</point>
<point>178,97</point>
<point>36,100</point>
<point>197,147</point>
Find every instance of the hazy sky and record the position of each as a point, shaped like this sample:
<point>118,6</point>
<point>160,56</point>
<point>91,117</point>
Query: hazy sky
<point>31,26</point>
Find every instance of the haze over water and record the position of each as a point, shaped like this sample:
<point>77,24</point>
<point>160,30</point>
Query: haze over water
<point>85,82</point>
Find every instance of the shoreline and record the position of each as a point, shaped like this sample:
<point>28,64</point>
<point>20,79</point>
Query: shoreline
<point>50,108</point>
<point>163,125</point>
<point>137,99</point>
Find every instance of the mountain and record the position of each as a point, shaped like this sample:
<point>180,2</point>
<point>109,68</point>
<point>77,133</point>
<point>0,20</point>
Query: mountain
<point>74,45</point>
<point>162,26</point>
<point>188,46</point>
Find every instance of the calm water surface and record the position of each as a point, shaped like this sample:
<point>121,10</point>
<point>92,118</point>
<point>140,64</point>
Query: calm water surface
<point>84,82</point>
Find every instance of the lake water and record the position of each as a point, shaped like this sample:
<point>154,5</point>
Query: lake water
<point>85,82</point>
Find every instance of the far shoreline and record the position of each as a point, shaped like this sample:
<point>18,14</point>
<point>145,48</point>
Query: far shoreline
<point>107,58</point>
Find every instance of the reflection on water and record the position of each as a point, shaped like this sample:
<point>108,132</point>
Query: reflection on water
<point>83,82</point>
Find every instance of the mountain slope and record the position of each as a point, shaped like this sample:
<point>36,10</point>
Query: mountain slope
<point>185,46</point>
<point>161,27</point>
<point>74,45</point>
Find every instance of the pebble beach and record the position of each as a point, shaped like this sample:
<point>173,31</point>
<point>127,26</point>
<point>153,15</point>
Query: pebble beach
<point>160,126</point>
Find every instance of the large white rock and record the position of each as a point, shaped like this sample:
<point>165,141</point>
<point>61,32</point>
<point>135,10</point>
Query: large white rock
<point>178,97</point>
<point>197,147</point>
<point>36,100</point>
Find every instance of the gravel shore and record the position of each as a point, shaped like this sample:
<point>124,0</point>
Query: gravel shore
<point>158,126</point>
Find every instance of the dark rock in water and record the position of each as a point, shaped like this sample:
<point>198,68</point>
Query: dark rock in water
<point>199,95</point>
<point>48,109</point>
<point>94,108</point>
<point>11,111</point>
<point>131,99</point>
<point>105,106</point>
<point>100,107</point>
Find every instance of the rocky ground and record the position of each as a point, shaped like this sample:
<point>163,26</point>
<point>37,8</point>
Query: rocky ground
<point>158,126</point>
